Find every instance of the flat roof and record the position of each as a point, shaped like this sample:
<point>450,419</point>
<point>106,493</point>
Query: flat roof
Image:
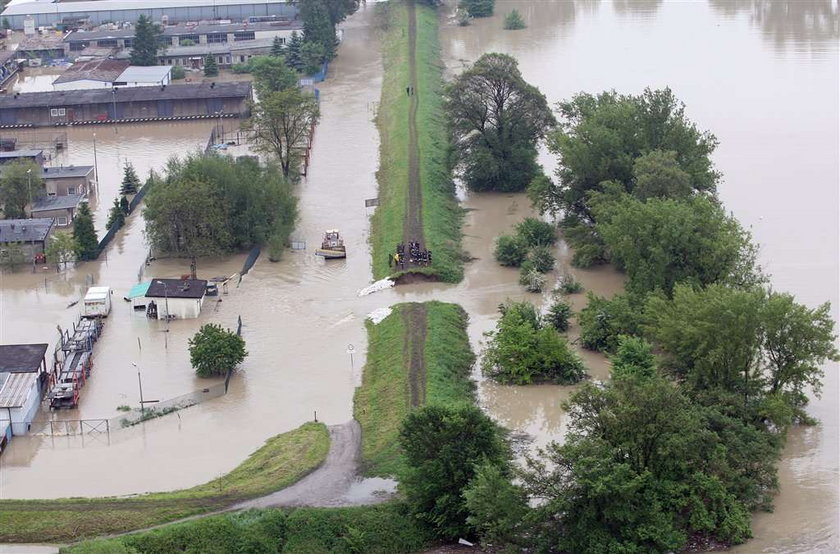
<point>94,70</point>
<point>15,388</point>
<point>56,203</point>
<point>52,8</point>
<point>24,230</point>
<point>66,171</point>
<point>144,74</point>
<point>176,288</point>
<point>185,29</point>
<point>216,47</point>
<point>21,358</point>
<point>195,91</point>
<point>21,154</point>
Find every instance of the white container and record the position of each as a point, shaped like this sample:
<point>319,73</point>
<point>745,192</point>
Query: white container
<point>29,25</point>
<point>97,302</point>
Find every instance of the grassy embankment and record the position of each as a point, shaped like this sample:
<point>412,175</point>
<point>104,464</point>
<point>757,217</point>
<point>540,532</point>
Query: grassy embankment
<point>383,400</point>
<point>441,214</point>
<point>283,460</point>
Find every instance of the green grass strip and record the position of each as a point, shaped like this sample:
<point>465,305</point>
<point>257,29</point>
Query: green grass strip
<point>283,460</point>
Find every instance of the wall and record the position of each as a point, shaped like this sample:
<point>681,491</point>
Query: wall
<point>81,84</point>
<point>181,308</point>
<point>23,416</point>
<point>59,187</point>
<point>65,213</point>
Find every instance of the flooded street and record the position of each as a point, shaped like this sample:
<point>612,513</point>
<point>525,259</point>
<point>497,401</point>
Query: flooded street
<point>761,75</point>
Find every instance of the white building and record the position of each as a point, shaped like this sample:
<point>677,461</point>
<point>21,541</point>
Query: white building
<point>177,298</point>
<point>148,76</point>
<point>23,374</point>
<point>108,73</point>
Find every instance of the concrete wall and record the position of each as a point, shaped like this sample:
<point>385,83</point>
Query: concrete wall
<point>61,186</point>
<point>67,214</point>
<point>180,308</point>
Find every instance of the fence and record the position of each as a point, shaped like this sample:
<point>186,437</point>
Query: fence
<point>109,235</point>
<point>66,428</point>
<point>168,406</point>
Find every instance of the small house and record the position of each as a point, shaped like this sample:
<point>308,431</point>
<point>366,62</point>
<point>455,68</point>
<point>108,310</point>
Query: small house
<point>62,208</point>
<point>30,235</point>
<point>176,298</point>
<point>23,378</point>
<point>68,180</point>
<point>17,156</point>
<point>91,74</point>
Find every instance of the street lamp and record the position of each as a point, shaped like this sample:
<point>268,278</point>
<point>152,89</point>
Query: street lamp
<point>165,297</point>
<point>29,181</point>
<point>140,384</point>
<point>114,95</point>
<point>95,166</point>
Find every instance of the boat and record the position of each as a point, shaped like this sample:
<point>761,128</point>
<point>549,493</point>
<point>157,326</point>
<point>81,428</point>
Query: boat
<point>332,247</point>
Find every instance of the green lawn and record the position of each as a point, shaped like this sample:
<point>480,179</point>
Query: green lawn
<point>283,460</point>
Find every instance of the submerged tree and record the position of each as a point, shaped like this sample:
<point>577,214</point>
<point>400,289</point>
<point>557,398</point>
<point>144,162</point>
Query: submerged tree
<point>497,119</point>
<point>271,74</point>
<point>281,123</point>
<point>20,184</point>
<point>130,182</point>
<point>87,243</point>
<point>146,42</point>
<point>318,26</point>
<point>478,8</point>
<point>214,350</point>
<point>514,21</point>
<point>61,248</point>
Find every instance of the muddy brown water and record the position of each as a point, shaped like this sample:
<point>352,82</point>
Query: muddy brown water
<point>777,134</point>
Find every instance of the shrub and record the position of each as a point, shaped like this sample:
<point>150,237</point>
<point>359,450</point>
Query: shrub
<point>542,258</point>
<point>634,356</point>
<point>603,320</point>
<point>530,278</point>
<point>569,285</point>
<point>536,232</point>
<point>478,8</point>
<point>558,315</point>
<point>178,72</point>
<point>497,507</point>
<point>510,250</point>
<point>514,21</point>
<point>214,350</point>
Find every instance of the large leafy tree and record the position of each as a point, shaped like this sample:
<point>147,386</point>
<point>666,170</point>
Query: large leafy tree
<point>271,74</point>
<point>317,25</point>
<point>61,248</point>
<point>211,204</point>
<point>662,242</point>
<point>643,469</point>
<point>20,182</point>
<point>601,137</point>
<point>496,119</point>
<point>214,350</point>
<point>87,242</point>
<point>146,43</point>
<point>280,124</point>
<point>763,349</point>
<point>442,446</point>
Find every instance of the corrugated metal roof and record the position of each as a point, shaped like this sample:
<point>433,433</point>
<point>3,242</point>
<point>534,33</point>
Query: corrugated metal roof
<point>144,74</point>
<point>48,7</point>
<point>139,290</point>
<point>234,89</point>
<point>93,70</point>
<point>16,389</point>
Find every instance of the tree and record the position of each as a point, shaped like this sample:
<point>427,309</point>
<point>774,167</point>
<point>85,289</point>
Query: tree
<point>536,232</point>
<point>634,356</point>
<point>12,255</point>
<point>514,21</point>
<point>312,55</point>
<point>558,315</point>
<point>497,507</point>
<point>442,447</point>
<point>761,347</point>
<point>496,119</point>
<point>340,9</point>
<point>87,242</point>
<point>278,49</point>
<point>658,174</point>
<point>521,350</point>
<point>317,25</point>
<point>510,250</point>
<point>281,123</point>
<point>662,242</point>
<point>61,248</point>
<point>20,183</point>
<point>478,8</point>
<point>604,320</point>
<point>146,42</point>
<point>214,350</point>
<point>130,182</point>
<point>541,258</point>
<point>116,216</point>
<point>211,68</point>
<point>293,51</point>
<point>271,74</point>
<point>601,137</point>
<point>178,72</point>
<point>124,205</point>
<point>643,469</point>
<point>211,204</point>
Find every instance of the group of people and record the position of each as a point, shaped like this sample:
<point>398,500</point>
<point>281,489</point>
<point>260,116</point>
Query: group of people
<point>416,255</point>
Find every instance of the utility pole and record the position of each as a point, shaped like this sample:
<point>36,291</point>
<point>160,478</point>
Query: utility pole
<point>29,187</point>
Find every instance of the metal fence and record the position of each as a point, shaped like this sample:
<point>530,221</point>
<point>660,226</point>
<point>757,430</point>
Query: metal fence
<point>70,427</point>
<point>109,235</point>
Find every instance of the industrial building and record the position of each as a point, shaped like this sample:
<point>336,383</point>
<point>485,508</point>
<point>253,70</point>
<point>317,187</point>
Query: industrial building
<point>23,379</point>
<point>47,14</point>
<point>127,104</point>
<point>105,73</point>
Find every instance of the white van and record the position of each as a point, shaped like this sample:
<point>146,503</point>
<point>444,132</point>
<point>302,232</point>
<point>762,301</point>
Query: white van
<point>97,302</point>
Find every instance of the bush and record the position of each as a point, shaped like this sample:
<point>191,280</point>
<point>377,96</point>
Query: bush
<point>178,72</point>
<point>478,8</point>
<point>542,258</point>
<point>497,507</point>
<point>530,277</point>
<point>602,321</point>
<point>514,21</point>
<point>214,351</point>
<point>521,350</point>
<point>241,68</point>
<point>558,316</point>
<point>569,285</point>
<point>536,232</point>
<point>510,250</point>
<point>634,356</point>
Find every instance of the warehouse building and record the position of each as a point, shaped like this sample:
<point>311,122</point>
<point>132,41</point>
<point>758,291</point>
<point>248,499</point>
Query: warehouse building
<point>23,378</point>
<point>129,104</point>
<point>47,14</point>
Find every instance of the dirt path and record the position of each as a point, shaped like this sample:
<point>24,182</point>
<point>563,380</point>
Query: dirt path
<point>415,322</point>
<point>413,224</point>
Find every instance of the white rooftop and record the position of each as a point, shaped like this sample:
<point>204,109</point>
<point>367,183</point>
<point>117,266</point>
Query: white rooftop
<point>144,74</point>
<point>33,7</point>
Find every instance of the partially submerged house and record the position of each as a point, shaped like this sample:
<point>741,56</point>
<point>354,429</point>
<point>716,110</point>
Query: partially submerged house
<point>68,179</point>
<point>23,379</point>
<point>175,298</point>
<point>30,235</point>
<point>16,156</point>
<point>61,208</point>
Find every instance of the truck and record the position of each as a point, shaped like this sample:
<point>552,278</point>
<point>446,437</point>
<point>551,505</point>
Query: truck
<point>97,302</point>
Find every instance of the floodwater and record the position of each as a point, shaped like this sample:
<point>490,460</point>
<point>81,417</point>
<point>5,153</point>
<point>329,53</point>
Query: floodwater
<point>763,76</point>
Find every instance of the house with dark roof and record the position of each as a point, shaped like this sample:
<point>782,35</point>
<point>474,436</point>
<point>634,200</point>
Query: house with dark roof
<point>176,298</point>
<point>128,104</point>
<point>29,235</point>
<point>23,378</point>
<point>61,208</point>
<point>68,180</point>
<point>91,74</point>
<point>13,156</point>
